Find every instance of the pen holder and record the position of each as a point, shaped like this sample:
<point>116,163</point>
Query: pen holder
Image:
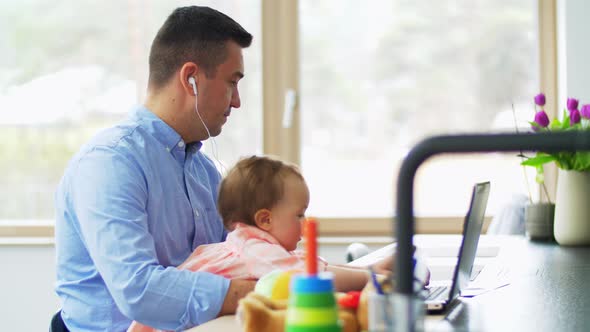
<point>395,312</point>
<point>380,308</point>
<point>538,221</point>
<point>408,312</point>
<point>312,305</point>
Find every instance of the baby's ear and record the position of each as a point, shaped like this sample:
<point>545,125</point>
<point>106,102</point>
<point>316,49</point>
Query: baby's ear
<point>262,218</point>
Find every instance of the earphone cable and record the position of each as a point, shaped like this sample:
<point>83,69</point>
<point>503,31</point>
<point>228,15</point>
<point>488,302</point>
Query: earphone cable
<point>214,154</point>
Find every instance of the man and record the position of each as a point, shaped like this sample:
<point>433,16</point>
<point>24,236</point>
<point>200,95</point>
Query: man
<point>140,197</point>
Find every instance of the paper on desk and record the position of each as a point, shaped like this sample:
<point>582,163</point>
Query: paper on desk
<point>490,278</point>
<point>475,291</point>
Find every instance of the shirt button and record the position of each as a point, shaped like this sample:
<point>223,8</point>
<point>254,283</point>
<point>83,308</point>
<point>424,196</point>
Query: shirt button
<point>196,213</point>
<point>180,144</point>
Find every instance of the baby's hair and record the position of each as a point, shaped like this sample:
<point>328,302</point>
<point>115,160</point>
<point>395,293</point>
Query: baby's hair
<point>254,183</point>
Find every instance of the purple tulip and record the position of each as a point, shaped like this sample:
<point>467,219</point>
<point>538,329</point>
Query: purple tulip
<point>540,99</point>
<point>585,111</point>
<point>572,104</point>
<point>574,117</point>
<point>541,119</point>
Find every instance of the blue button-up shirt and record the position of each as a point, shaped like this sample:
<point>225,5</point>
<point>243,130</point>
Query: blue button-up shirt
<point>133,204</point>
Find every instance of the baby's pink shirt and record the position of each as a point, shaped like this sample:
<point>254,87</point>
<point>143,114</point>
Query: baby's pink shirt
<point>247,253</point>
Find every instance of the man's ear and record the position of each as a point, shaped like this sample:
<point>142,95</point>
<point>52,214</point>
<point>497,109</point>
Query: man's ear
<point>188,70</point>
<point>262,218</point>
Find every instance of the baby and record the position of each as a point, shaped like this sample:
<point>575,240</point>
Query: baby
<point>262,202</point>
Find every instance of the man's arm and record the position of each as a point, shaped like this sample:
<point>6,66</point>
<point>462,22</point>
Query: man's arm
<point>109,196</point>
<point>237,290</point>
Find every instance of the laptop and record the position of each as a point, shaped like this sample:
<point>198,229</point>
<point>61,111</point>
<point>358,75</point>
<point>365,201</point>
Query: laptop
<point>438,298</point>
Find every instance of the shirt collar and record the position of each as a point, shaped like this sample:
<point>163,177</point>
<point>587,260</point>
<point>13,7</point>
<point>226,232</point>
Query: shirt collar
<point>245,232</point>
<point>158,128</point>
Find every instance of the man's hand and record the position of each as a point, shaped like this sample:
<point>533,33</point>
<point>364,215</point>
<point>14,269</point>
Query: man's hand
<point>237,290</point>
<point>384,265</point>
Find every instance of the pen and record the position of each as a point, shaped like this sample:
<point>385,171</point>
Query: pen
<point>376,284</point>
<point>385,306</point>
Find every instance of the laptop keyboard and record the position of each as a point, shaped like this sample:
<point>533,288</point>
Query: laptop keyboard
<point>435,292</point>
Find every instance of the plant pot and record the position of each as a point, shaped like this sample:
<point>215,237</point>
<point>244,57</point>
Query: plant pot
<point>538,221</point>
<point>572,208</point>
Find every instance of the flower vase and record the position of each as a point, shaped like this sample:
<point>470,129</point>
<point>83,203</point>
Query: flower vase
<point>572,208</point>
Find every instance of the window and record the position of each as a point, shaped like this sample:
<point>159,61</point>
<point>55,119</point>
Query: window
<point>373,78</point>
<point>70,68</point>
<point>379,76</point>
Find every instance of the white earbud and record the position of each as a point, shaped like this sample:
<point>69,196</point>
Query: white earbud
<point>191,81</point>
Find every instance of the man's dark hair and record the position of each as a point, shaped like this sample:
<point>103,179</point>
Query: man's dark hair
<point>197,34</point>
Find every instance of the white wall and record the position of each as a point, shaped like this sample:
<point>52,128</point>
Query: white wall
<point>573,50</point>
<point>27,300</point>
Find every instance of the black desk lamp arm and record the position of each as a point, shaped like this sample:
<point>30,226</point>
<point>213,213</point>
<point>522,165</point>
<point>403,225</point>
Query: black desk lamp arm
<point>548,142</point>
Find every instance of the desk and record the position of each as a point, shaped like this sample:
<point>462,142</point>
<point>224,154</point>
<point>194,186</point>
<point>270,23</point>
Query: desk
<point>548,291</point>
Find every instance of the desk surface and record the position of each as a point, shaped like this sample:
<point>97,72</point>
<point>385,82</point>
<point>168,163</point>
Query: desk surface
<point>548,291</point>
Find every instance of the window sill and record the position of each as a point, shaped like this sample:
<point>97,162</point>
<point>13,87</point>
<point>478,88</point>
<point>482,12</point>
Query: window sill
<point>14,241</point>
<point>26,229</point>
<point>377,230</point>
<point>358,227</point>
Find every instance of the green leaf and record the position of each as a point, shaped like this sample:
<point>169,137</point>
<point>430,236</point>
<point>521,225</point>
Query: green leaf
<point>565,160</point>
<point>581,161</point>
<point>565,124</point>
<point>555,124</point>
<point>538,160</point>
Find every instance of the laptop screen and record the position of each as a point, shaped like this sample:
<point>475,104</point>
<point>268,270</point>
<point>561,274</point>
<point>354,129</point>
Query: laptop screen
<point>471,230</point>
